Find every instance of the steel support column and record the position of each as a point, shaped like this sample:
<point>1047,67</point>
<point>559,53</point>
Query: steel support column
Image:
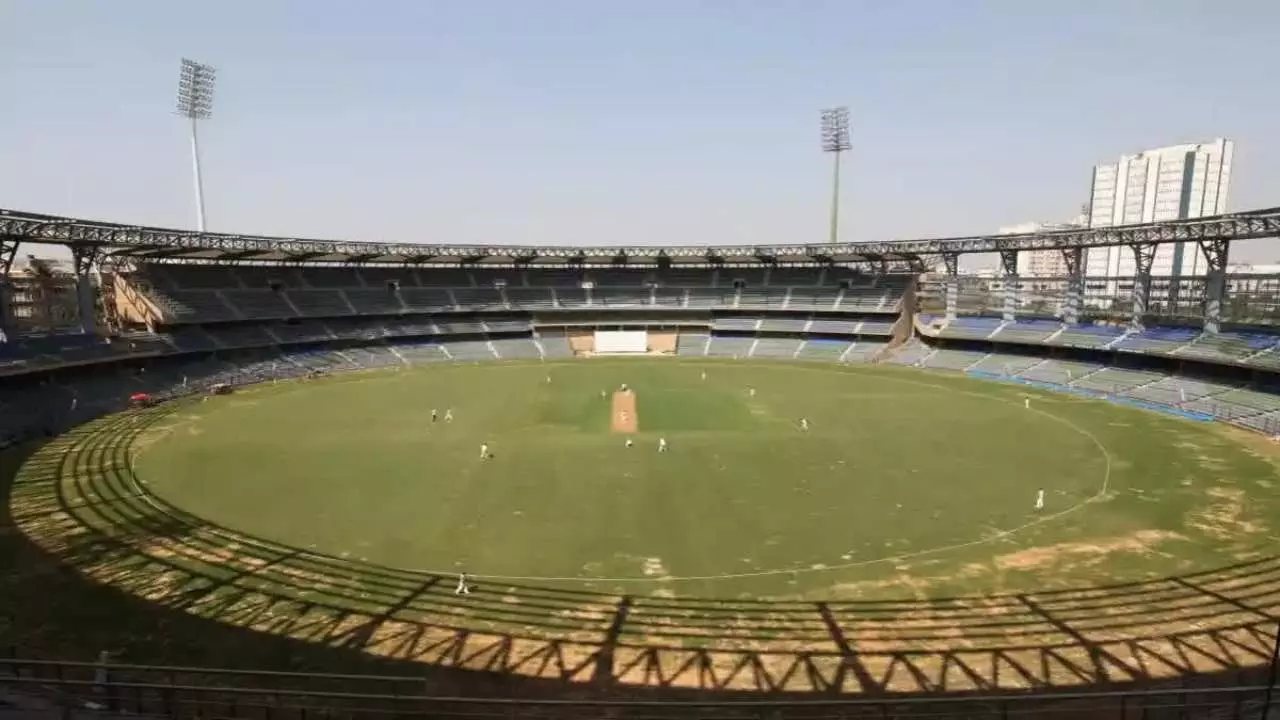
<point>8,251</point>
<point>1215,282</point>
<point>84,258</point>
<point>1074,259</point>
<point>1009,263</point>
<point>952,262</point>
<point>1143,256</point>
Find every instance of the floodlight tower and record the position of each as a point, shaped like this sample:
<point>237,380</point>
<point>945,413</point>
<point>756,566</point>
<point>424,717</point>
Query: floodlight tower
<point>835,140</point>
<point>195,102</point>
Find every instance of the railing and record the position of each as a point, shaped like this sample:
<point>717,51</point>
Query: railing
<point>182,692</point>
<point>1249,299</point>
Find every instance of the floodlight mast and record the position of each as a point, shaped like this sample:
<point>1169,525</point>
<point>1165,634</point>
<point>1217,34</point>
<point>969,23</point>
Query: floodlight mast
<point>835,140</point>
<point>195,102</point>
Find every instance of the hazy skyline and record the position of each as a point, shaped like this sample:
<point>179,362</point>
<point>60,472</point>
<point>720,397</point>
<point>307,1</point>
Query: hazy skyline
<point>623,123</point>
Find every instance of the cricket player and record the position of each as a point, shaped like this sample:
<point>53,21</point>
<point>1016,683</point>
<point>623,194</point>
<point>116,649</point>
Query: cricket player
<point>629,443</point>
<point>704,374</point>
<point>1039,499</point>
<point>448,415</point>
<point>751,392</point>
<point>434,414</point>
<point>548,379</point>
<point>484,451</point>
<point>463,588</point>
<point>602,394</point>
<point>662,445</point>
<point>1026,403</point>
<point>804,424</point>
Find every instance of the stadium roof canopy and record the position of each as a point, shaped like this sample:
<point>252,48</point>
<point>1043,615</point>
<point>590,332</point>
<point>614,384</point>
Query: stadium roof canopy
<point>161,243</point>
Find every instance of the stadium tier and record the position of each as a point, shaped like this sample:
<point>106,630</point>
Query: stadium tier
<point>176,294</point>
<point>428,313</point>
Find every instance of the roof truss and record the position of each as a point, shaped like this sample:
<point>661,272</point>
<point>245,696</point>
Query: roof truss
<point>139,241</point>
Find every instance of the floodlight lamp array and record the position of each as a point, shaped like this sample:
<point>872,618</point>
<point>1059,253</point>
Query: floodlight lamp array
<point>195,90</point>
<point>835,130</point>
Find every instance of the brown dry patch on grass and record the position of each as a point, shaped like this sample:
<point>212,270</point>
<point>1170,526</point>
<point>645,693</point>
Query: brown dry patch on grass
<point>909,585</point>
<point>217,556</point>
<point>1223,519</point>
<point>1141,542</point>
<point>624,412</point>
<point>1257,444</point>
<point>586,614</point>
<point>164,585</point>
<point>36,523</point>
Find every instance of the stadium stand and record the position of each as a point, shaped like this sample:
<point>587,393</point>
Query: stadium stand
<point>555,344</point>
<point>1087,336</point>
<point>947,359</point>
<point>1228,347</point>
<point>999,364</point>
<point>784,324</point>
<point>739,324</point>
<point>823,349</point>
<point>863,350</point>
<point>1157,340</point>
<point>730,346</point>
<point>973,328</point>
<point>874,327</point>
<point>1028,331</point>
<point>831,326</point>
<point>775,347</point>
<point>421,351</point>
<point>516,348</point>
<point>692,343</point>
<point>374,301</point>
<point>911,353</point>
<point>1115,380</point>
<point>1058,372</point>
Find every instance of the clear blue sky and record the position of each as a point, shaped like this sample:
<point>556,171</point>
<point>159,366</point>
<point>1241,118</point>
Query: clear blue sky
<point>582,121</point>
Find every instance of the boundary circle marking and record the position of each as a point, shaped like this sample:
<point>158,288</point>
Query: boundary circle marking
<point>1101,493</point>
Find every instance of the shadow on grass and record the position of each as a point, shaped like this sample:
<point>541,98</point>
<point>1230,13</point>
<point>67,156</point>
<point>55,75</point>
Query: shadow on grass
<point>100,564</point>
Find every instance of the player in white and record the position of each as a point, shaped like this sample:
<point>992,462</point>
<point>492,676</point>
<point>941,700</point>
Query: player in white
<point>463,588</point>
<point>629,443</point>
<point>704,374</point>
<point>1039,499</point>
<point>662,444</point>
<point>804,424</point>
<point>448,415</point>
<point>1026,403</point>
<point>602,393</point>
<point>751,392</point>
<point>548,379</point>
<point>434,414</point>
<point>484,451</point>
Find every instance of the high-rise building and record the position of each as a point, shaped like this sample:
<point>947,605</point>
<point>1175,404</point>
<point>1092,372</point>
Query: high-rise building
<point>1169,183</point>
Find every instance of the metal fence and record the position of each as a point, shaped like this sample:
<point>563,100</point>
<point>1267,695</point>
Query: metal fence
<point>180,692</point>
<point>1249,299</point>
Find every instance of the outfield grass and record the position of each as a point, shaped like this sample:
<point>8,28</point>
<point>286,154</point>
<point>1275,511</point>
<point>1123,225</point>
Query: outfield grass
<point>906,483</point>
